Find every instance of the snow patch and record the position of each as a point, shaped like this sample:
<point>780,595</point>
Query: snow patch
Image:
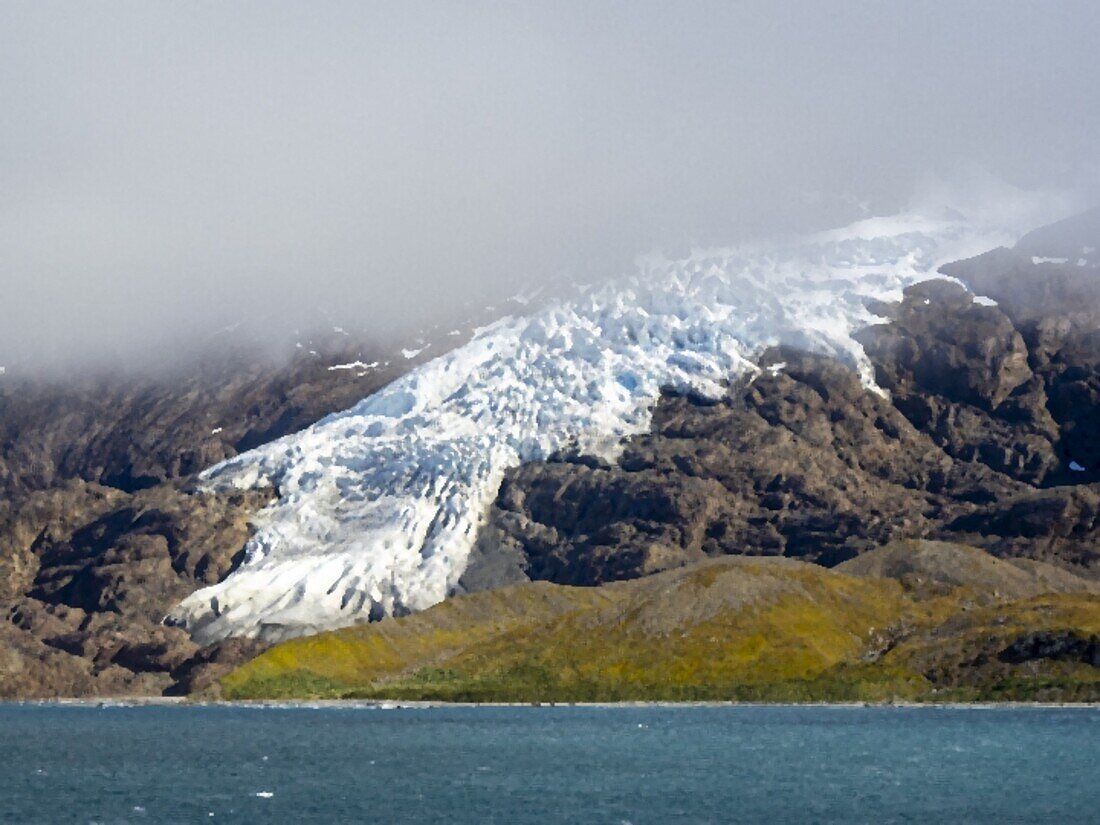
<point>355,365</point>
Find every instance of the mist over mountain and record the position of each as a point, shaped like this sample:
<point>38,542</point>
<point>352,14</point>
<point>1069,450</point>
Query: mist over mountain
<point>169,170</point>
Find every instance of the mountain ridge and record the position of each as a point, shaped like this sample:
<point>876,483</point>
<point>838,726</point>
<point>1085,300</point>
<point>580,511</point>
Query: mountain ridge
<point>87,569</point>
<point>379,506</point>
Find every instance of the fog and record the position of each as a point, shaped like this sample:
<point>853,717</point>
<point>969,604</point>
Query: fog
<point>170,168</point>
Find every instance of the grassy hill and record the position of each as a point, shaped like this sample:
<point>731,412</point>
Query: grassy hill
<point>915,620</point>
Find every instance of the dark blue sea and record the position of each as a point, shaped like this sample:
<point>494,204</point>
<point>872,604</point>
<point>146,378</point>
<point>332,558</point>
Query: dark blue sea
<point>548,764</point>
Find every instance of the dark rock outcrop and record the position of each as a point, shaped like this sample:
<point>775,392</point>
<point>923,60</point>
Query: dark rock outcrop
<point>990,436</point>
<point>101,531</point>
<point>133,432</point>
<point>200,672</point>
<point>799,461</point>
<point>102,528</point>
<point>104,573</point>
<point>1048,285</point>
<point>959,372</point>
<point>1062,646</point>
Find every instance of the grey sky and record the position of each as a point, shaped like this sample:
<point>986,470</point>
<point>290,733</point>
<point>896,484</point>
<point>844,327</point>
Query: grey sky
<point>165,167</point>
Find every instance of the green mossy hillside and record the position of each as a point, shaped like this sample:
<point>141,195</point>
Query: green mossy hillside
<point>735,628</point>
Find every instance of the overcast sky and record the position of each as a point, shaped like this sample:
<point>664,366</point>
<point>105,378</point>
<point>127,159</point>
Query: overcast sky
<point>166,167</point>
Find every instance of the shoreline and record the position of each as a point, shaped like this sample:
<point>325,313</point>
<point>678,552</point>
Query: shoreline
<point>382,704</point>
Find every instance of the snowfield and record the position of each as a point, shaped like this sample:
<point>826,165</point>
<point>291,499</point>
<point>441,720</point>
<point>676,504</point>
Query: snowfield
<point>378,506</point>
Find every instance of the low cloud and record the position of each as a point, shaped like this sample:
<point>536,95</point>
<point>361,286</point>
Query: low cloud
<point>171,168</point>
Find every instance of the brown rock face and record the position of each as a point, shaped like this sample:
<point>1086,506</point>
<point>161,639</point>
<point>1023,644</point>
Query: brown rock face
<point>941,342</point>
<point>1049,286</point>
<point>959,371</point>
<point>792,463</point>
<point>101,533</point>
<point>804,462</point>
<point>991,436</point>
<point>106,570</point>
<point>134,432</point>
<point>156,548</point>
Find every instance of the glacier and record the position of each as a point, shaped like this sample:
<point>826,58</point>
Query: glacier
<point>378,506</point>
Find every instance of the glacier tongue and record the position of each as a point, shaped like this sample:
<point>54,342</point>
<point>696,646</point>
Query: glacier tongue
<point>379,505</point>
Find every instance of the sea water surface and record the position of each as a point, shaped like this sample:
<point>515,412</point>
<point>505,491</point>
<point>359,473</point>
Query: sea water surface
<point>548,764</point>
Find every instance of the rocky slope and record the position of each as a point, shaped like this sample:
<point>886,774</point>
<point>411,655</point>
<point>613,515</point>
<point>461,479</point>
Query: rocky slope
<point>379,506</point>
<point>102,530</point>
<point>902,623</point>
<point>989,436</point>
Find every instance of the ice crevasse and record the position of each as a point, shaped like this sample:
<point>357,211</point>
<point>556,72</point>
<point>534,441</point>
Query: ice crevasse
<point>379,505</point>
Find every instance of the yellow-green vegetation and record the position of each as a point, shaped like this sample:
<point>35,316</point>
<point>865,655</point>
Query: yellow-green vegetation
<point>726,629</point>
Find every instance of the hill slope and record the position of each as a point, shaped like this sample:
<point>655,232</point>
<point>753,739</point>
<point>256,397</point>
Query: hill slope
<point>730,628</point>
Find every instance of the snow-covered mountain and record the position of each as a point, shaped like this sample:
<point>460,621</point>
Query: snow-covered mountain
<point>378,506</point>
